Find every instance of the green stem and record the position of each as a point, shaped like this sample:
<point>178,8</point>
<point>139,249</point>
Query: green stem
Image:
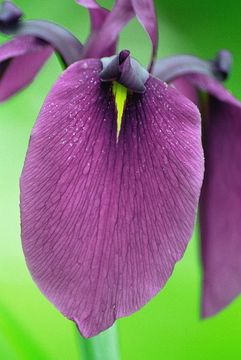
<point>102,347</point>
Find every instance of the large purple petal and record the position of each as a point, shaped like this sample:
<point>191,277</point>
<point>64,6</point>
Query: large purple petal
<point>20,61</point>
<point>220,205</point>
<point>104,222</point>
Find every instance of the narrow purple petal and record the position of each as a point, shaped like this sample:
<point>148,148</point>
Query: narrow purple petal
<point>103,42</point>
<point>220,205</point>
<point>98,17</point>
<point>20,61</point>
<point>103,223</point>
<point>98,14</point>
<point>89,4</point>
<point>145,12</point>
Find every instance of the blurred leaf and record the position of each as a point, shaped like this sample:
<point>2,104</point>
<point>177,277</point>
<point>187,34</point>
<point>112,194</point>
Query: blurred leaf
<point>21,342</point>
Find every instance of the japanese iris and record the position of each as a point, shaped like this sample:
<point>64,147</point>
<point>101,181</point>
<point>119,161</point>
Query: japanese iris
<point>114,169</point>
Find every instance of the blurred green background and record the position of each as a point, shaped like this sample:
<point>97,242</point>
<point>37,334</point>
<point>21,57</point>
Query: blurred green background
<point>169,326</point>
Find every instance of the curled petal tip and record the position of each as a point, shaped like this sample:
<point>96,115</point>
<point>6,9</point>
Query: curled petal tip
<point>223,62</point>
<point>125,70</point>
<point>9,13</point>
<point>170,68</point>
<point>123,55</point>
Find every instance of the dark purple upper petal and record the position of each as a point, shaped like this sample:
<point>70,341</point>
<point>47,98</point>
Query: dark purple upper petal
<point>104,222</point>
<point>220,205</point>
<point>20,60</point>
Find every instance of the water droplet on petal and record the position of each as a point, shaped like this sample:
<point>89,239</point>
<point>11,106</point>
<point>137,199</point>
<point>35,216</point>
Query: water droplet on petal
<point>86,169</point>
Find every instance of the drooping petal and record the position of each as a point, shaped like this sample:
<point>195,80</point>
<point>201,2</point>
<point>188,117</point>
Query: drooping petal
<point>220,205</point>
<point>104,222</point>
<point>67,46</point>
<point>179,66</point>
<point>20,61</point>
<point>172,67</point>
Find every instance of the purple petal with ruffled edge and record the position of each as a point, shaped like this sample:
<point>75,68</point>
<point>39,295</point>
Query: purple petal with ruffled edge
<point>20,61</point>
<point>220,205</point>
<point>104,222</point>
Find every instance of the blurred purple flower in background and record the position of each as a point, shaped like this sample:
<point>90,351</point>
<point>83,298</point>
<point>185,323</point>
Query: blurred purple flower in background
<point>20,58</point>
<point>114,169</point>
<point>220,201</point>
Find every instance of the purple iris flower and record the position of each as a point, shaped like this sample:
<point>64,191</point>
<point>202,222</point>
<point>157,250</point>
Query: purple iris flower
<point>114,169</point>
<point>220,201</point>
